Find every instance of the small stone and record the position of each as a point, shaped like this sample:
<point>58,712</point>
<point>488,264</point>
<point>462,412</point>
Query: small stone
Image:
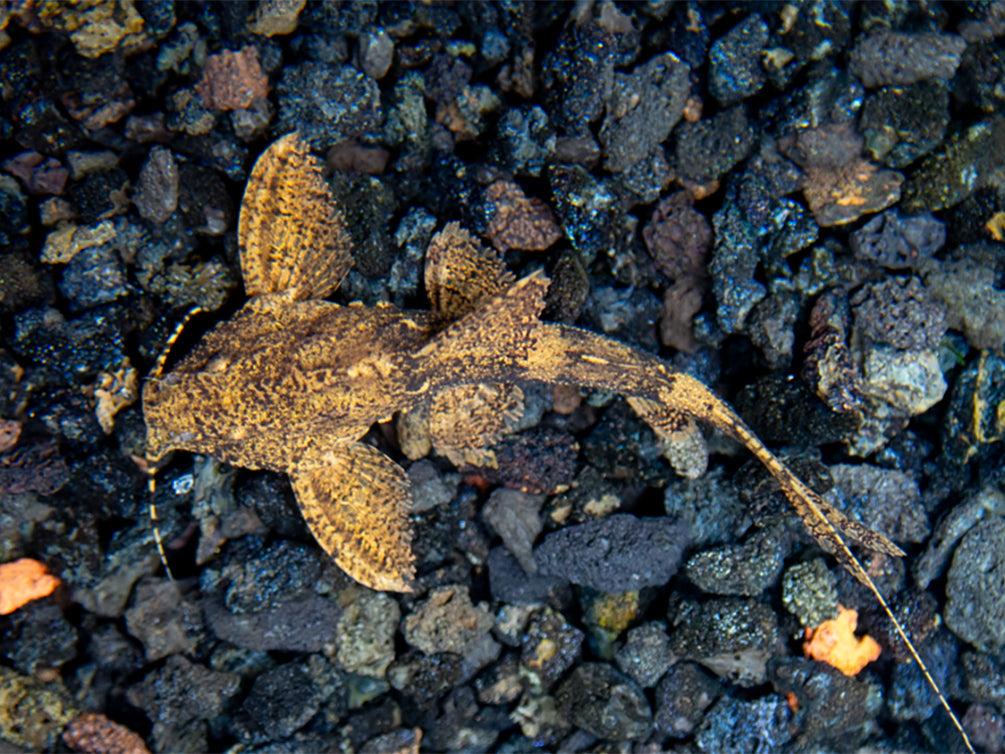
<point>614,554</point>
<point>733,638</point>
<point>96,93</point>
<point>515,516</point>
<point>835,709</point>
<point>646,654</point>
<point>376,53</point>
<point>895,241</point>
<point>809,592</point>
<point>899,312</point>
<point>885,500</point>
<point>762,725</point>
<point>743,570</point>
<point>232,80</point>
<point>901,124</point>
<point>587,208</point>
<point>892,58</point>
<point>40,638</point>
<point>98,28</point>
<point>974,306</point>
<point>549,646</point>
<point>366,633</point>
<point>33,714</point>
<point>968,161</point>
<point>156,195</point>
<point>64,243</point>
<point>910,382</point>
<point>829,366</point>
<point>643,108</point>
<point>605,703</point>
<point>987,502</point>
<point>100,195</point>
<point>678,237</point>
<point>302,625</point>
<point>327,104</point>
<point>772,324</point>
<point>96,733</point>
<point>578,76</point>
<point>539,461</point>
<point>447,622</point>
<point>682,696</point>
<point>422,679</point>
<point>282,572</point>
<point>735,69</point>
<point>985,727</point>
<point>540,721</point>
<point>500,684</point>
<point>164,622</point>
<point>975,591</point>
<point>282,700</point>
<point>252,122</point>
<point>429,487</point>
<point>276,17</point>
<point>178,696</point>
<point>606,616</point>
<point>706,150</point>
<point>735,256</point>
<point>710,505</point>
<point>94,276</point>
<point>398,740</point>
<point>13,209</point>
<point>840,186</point>
<point>55,210</point>
<point>39,174</point>
<point>526,140</point>
<point>188,115</point>
<point>516,221</point>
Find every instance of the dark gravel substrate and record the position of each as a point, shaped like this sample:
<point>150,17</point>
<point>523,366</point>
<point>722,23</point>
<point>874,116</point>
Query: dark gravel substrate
<point>800,204</point>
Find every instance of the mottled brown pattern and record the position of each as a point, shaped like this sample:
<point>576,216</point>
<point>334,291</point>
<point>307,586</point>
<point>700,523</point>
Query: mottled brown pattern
<point>291,384</point>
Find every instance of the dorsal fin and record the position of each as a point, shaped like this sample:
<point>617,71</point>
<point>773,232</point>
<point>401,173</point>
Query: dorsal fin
<point>504,323</point>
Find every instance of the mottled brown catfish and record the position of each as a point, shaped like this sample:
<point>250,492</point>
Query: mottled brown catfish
<point>291,383</point>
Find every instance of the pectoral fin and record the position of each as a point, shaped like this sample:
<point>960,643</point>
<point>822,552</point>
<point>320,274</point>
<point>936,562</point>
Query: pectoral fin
<point>290,235</point>
<point>357,506</point>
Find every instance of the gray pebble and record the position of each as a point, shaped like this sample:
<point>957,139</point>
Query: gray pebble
<point>605,703</point>
<point>646,654</point>
<point>975,587</point>
<point>682,696</point>
<point>615,554</point>
<point>891,58</point>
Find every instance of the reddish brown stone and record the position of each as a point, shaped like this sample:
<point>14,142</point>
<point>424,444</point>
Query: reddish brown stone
<point>678,237</point>
<point>518,221</point>
<point>232,80</point>
<point>39,174</point>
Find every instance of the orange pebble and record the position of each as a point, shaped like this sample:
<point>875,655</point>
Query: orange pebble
<point>835,643</point>
<point>22,581</point>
